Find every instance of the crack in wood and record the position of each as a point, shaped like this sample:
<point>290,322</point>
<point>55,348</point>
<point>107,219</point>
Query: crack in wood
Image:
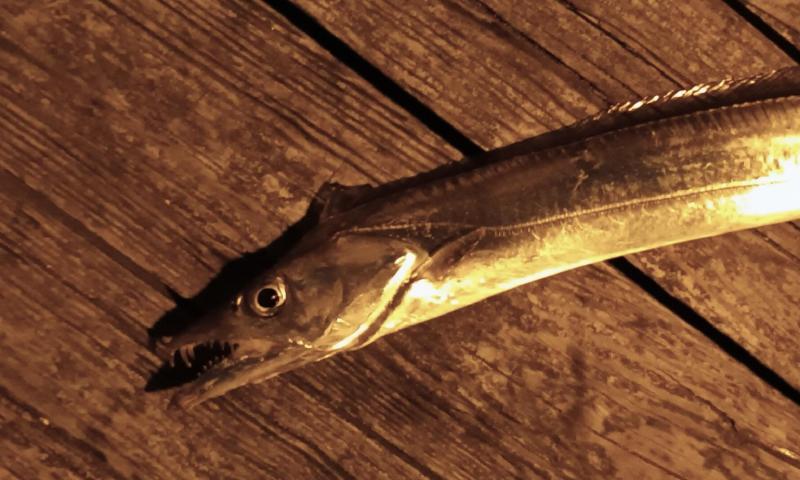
<point>374,76</point>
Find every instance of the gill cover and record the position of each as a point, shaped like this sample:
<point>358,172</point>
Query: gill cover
<point>371,271</point>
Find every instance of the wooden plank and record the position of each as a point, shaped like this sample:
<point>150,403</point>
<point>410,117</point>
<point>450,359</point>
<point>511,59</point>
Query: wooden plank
<point>139,136</point>
<point>501,71</point>
<point>222,109</point>
<point>782,15</point>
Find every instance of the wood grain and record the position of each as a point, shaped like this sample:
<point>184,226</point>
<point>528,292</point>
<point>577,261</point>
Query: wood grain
<point>502,71</point>
<point>782,15</point>
<point>153,131</point>
<point>146,143</point>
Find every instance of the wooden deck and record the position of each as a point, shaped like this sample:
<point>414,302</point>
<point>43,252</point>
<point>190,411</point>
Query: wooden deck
<point>146,144</point>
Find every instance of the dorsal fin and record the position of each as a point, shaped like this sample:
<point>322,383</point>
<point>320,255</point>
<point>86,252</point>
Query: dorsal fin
<point>336,198</point>
<point>775,84</point>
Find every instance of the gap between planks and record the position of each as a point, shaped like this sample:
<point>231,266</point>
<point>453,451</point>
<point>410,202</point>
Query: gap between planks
<point>765,29</point>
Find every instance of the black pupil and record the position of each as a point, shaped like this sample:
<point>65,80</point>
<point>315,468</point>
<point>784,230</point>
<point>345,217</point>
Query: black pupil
<point>268,298</point>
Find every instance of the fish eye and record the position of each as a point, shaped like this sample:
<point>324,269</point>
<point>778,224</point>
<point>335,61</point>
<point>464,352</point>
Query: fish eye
<point>268,298</point>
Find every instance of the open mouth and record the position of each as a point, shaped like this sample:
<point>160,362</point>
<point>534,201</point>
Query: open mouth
<point>190,361</point>
<point>199,357</point>
<point>205,370</point>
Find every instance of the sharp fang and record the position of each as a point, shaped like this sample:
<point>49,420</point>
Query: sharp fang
<point>187,352</point>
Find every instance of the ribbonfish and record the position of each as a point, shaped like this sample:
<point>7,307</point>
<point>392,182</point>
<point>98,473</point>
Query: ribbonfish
<point>702,161</point>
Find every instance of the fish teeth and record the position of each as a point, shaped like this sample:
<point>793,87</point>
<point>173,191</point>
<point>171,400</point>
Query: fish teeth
<point>202,356</point>
<point>187,354</point>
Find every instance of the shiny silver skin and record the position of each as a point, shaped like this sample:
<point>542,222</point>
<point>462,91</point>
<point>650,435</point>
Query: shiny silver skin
<point>693,163</point>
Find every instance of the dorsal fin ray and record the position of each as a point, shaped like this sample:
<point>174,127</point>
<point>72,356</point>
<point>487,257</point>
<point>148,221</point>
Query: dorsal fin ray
<point>775,84</point>
<point>718,94</point>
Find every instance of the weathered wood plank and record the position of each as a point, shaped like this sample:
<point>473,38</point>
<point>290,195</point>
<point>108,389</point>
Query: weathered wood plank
<point>782,15</point>
<point>502,71</point>
<point>211,91</point>
<point>156,129</point>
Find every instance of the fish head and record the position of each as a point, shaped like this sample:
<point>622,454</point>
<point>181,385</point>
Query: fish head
<point>326,297</point>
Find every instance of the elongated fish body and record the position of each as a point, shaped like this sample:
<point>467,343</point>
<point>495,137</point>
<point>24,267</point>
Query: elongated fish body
<point>694,163</point>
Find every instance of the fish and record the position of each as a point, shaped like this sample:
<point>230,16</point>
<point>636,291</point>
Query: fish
<point>692,163</point>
